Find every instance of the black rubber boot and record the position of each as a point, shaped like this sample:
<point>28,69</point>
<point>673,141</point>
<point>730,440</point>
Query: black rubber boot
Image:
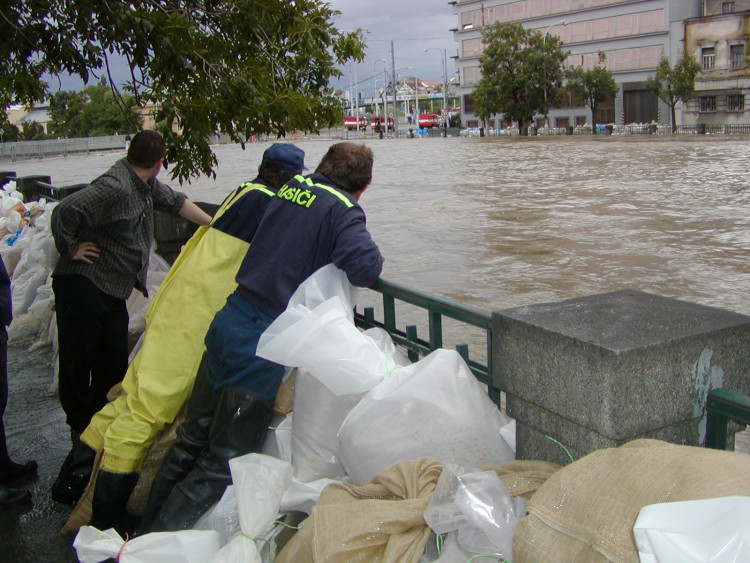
<point>13,497</point>
<point>111,495</point>
<point>239,427</point>
<point>192,438</point>
<point>74,474</point>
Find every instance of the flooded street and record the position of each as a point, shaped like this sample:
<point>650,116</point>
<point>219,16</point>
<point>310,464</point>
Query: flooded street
<point>488,222</point>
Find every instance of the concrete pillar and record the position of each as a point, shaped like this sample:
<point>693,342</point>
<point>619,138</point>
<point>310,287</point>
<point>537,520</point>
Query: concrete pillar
<point>599,371</point>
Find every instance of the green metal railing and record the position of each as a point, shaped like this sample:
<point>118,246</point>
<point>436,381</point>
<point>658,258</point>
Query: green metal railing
<point>721,406</point>
<point>436,308</point>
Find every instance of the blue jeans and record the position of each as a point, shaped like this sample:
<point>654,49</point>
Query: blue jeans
<point>231,342</point>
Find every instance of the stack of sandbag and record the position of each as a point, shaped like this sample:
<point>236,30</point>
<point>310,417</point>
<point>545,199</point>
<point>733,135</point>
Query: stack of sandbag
<point>587,510</point>
<point>29,255</point>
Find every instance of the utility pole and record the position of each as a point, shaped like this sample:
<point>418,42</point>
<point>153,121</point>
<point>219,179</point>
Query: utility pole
<point>395,115</point>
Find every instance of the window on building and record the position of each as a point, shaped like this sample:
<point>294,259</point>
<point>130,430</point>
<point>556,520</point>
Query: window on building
<point>736,102</point>
<point>580,120</point>
<point>468,103</point>
<point>562,122</point>
<point>470,47</point>
<point>708,103</point>
<point>709,57</point>
<point>472,74</point>
<point>737,55</point>
<point>727,7</point>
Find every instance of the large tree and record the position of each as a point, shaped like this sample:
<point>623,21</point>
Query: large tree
<point>66,112</point>
<point>594,85</point>
<point>674,84</point>
<point>521,73</point>
<point>240,67</point>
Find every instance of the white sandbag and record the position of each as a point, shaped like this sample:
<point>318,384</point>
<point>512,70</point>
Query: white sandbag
<point>11,250</point>
<point>434,407</point>
<point>478,508</point>
<point>316,333</point>
<point>259,482</point>
<point>187,546</point>
<point>324,342</point>
<point>318,414</point>
<point>24,286</point>
<point>329,281</point>
<point>299,496</point>
<point>694,531</point>
<point>137,304</point>
<point>37,261</point>
<point>223,517</point>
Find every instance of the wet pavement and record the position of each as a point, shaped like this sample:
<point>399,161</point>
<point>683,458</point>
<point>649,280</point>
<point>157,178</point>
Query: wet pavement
<point>36,429</point>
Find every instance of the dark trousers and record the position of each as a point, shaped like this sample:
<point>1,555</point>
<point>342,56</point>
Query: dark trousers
<point>92,336</point>
<point>4,459</point>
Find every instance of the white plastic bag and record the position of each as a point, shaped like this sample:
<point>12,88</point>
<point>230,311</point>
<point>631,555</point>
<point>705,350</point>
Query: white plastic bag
<point>318,414</point>
<point>715,530</point>
<point>325,342</point>
<point>329,281</point>
<point>187,546</point>
<point>434,407</point>
<point>223,517</point>
<point>477,508</point>
<point>260,482</point>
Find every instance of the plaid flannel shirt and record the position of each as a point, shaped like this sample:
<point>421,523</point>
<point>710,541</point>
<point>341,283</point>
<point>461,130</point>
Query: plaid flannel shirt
<point>116,213</point>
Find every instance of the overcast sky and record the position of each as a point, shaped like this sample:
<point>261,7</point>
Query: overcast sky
<point>412,25</point>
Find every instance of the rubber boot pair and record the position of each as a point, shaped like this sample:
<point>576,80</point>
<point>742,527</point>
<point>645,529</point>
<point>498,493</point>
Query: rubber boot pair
<point>192,438</point>
<point>239,427</point>
<point>108,506</point>
<point>74,474</point>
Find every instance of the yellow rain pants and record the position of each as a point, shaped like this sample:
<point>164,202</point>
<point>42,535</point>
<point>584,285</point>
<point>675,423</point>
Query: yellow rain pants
<point>160,378</point>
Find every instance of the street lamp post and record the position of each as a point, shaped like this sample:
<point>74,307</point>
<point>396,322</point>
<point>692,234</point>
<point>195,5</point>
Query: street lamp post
<point>546,105</point>
<point>385,111</point>
<point>354,104</point>
<point>445,76</point>
<point>416,100</point>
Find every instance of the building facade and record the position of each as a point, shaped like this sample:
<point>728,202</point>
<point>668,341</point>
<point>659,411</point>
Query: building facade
<point>633,34</point>
<point>719,41</point>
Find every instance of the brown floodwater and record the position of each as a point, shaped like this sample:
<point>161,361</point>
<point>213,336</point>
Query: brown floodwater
<point>501,222</point>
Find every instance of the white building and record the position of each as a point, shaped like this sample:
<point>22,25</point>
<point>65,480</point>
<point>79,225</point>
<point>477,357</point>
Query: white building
<point>632,33</point>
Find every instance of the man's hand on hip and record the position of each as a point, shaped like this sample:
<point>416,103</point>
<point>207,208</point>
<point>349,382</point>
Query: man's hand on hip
<point>87,252</point>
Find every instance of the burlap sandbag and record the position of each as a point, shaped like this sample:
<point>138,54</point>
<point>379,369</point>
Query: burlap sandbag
<point>523,477</point>
<point>379,521</point>
<point>586,511</point>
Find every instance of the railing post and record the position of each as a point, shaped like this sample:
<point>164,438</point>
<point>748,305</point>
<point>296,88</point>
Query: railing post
<point>411,335</point>
<point>436,330</point>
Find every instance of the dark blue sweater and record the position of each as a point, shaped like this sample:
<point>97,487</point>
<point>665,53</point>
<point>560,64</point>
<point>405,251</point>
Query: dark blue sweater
<point>308,224</point>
